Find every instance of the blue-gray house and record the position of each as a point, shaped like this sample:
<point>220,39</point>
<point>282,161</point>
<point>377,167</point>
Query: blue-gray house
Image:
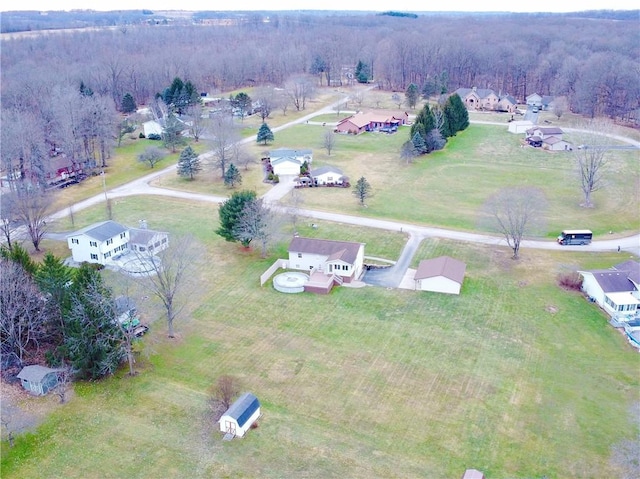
<point>239,418</point>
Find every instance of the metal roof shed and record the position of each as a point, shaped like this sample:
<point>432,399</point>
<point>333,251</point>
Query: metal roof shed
<point>38,380</point>
<point>239,418</point>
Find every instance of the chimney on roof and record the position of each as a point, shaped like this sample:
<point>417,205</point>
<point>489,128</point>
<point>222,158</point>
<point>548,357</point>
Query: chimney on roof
<point>143,224</point>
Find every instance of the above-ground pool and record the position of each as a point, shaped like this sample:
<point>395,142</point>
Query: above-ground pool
<point>290,282</point>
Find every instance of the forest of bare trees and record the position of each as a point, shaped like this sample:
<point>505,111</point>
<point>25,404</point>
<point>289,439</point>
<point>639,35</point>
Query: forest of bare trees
<point>593,63</point>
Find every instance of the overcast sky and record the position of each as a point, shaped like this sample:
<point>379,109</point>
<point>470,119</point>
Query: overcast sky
<point>367,5</point>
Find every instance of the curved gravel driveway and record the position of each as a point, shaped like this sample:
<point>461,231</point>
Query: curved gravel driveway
<point>390,277</point>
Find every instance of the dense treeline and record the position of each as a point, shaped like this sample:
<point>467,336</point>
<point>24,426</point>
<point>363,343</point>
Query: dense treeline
<point>594,63</point>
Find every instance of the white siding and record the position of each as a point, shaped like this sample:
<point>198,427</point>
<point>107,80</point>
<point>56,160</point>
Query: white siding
<point>87,249</point>
<point>240,431</point>
<point>438,284</point>
<point>591,288</point>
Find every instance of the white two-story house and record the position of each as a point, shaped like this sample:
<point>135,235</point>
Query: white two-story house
<point>99,242</point>
<point>339,258</point>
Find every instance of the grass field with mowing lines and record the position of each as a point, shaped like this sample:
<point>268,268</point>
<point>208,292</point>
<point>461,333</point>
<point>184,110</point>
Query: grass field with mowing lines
<point>515,376</point>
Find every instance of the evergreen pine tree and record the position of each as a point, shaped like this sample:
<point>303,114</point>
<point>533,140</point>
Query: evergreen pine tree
<point>188,163</point>
<point>230,212</point>
<point>411,95</point>
<point>264,134</point>
<point>232,176</point>
<point>418,143</point>
<point>128,104</point>
<point>456,114</point>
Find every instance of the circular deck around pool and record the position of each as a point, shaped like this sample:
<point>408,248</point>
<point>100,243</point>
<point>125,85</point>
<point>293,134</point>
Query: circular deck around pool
<point>290,282</point>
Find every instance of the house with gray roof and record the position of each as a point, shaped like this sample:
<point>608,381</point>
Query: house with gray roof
<point>328,176</point>
<point>240,416</point>
<point>99,243</point>
<point>328,262</point>
<point>287,161</point>
<point>102,242</point>
<point>615,290</point>
<point>441,275</point>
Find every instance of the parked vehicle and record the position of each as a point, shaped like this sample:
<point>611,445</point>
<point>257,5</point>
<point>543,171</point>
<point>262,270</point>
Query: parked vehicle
<point>581,237</point>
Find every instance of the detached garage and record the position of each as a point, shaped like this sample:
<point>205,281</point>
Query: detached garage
<point>440,275</point>
<point>239,418</point>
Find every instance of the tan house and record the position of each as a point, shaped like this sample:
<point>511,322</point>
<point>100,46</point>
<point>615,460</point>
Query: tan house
<point>486,99</point>
<point>375,120</point>
<point>440,275</point>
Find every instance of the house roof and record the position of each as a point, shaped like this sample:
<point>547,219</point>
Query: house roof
<point>326,169</point>
<point>632,268</point>
<point>243,408</point>
<point>546,130</point>
<point>35,373</point>
<point>333,250</point>
<point>101,231</point>
<point>623,298</point>
<point>288,152</point>
<point>508,98</point>
<point>612,281</point>
<point>481,92</point>
<point>446,266</point>
<point>362,119</point>
<point>552,140</point>
<point>142,235</point>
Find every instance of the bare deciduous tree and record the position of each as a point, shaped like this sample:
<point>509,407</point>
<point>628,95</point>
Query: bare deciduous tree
<point>300,89</point>
<point>515,212</point>
<point>590,158</point>
<point>168,274</point>
<point>196,125</point>
<point>294,203</point>
<point>257,222</point>
<point>31,208</point>
<point>224,138</point>
<point>23,310</point>
<point>223,394</point>
<point>151,156</point>
<point>329,141</point>
<point>560,106</point>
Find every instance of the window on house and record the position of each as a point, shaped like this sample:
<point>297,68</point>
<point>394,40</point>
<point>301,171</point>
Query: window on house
<point>75,241</point>
<point>164,240</point>
<point>299,255</point>
<point>122,235</point>
<point>109,241</point>
<point>142,248</point>
<point>94,256</point>
<point>93,243</point>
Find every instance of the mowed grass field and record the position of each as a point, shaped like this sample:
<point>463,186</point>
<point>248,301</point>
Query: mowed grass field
<point>514,377</point>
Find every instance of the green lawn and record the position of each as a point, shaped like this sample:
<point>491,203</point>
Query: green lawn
<point>514,377</point>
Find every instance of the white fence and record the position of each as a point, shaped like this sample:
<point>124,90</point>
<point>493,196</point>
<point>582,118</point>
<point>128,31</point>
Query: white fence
<point>279,263</point>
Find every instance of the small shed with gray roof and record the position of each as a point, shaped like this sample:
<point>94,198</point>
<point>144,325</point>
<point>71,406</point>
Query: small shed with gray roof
<point>239,418</point>
<point>38,380</point>
<point>440,275</point>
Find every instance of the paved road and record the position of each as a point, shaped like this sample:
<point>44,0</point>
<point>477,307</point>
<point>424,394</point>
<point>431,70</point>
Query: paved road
<point>389,277</point>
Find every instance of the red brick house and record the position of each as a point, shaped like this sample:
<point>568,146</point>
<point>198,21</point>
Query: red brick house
<point>376,120</point>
